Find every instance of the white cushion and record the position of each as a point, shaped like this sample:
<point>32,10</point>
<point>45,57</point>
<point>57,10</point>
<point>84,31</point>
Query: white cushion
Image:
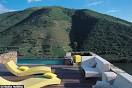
<point>109,77</point>
<point>94,66</point>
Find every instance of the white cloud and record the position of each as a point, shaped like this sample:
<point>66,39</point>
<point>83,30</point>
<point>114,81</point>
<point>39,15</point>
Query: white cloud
<point>112,11</point>
<point>3,9</point>
<point>95,3</point>
<point>90,3</point>
<point>33,1</point>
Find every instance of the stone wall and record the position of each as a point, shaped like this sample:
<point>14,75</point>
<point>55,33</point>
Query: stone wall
<point>8,56</point>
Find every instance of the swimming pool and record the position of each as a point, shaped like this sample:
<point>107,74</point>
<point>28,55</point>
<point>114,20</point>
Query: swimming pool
<point>40,61</point>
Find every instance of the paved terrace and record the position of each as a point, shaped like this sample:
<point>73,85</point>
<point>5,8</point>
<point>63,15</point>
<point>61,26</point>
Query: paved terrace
<point>71,76</point>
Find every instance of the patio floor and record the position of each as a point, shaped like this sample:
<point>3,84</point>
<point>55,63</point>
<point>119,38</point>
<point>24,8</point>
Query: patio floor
<point>72,77</point>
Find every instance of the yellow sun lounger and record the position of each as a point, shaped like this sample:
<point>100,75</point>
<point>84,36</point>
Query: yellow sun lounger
<point>38,82</point>
<point>25,70</point>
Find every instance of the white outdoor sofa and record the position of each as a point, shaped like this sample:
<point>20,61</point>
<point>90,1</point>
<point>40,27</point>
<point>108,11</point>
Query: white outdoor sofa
<point>122,80</point>
<point>94,66</point>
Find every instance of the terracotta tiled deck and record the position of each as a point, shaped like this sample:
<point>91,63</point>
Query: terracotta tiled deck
<point>71,77</point>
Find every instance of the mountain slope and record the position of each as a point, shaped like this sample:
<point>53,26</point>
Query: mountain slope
<point>52,31</point>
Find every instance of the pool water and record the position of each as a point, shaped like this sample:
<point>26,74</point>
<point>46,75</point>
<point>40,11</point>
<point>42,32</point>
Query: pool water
<point>50,61</point>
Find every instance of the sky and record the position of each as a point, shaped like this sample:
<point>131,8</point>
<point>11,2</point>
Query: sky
<point>118,8</point>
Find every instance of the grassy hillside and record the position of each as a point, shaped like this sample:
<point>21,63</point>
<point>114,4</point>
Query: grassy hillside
<point>107,36</point>
<point>52,31</point>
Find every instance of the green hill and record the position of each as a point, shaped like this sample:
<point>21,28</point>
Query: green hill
<point>53,31</point>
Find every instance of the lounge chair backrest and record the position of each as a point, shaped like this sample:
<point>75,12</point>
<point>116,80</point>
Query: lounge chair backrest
<point>102,64</point>
<point>12,67</point>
